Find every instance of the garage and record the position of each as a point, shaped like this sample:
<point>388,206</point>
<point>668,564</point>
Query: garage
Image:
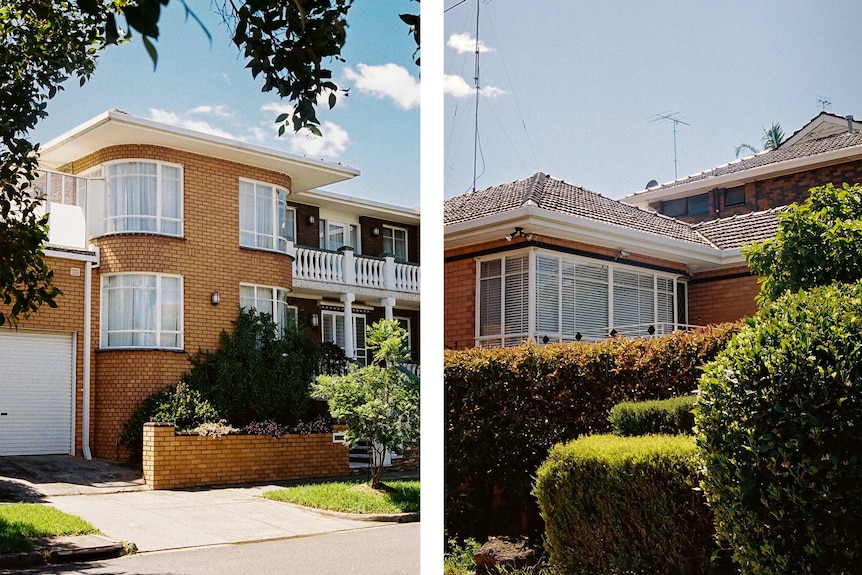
<point>37,382</point>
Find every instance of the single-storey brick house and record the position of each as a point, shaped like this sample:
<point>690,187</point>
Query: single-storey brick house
<point>158,236</point>
<point>547,260</point>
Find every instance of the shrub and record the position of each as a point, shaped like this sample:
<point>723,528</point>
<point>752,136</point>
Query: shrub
<point>669,416</point>
<point>275,429</point>
<point>779,425</point>
<point>505,408</point>
<point>625,505</point>
<point>181,406</point>
<point>255,374</point>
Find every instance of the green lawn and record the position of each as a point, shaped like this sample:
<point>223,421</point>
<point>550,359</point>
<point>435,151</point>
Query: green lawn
<point>21,521</point>
<point>353,497</point>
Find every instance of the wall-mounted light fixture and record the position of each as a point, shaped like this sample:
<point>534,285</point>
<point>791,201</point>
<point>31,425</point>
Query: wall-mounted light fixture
<point>519,233</point>
<point>375,231</point>
<point>624,254</point>
<point>311,220</point>
<point>315,320</point>
<point>215,298</point>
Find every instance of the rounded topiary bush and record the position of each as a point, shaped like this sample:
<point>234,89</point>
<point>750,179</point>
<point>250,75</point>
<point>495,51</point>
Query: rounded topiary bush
<point>779,429</point>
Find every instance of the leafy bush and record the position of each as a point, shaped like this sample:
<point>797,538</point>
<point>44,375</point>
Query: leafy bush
<point>255,374</point>
<point>625,505</point>
<point>818,242</point>
<point>780,433</point>
<point>668,416</point>
<point>181,406</point>
<point>505,408</point>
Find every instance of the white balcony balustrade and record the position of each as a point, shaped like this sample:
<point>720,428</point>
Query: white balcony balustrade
<point>348,269</point>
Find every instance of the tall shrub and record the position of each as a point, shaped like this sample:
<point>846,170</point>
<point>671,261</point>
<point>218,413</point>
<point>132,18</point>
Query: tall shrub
<point>255,373</point>
<point>818,242</point>
<point>505,408</point>
<point>780,432</point>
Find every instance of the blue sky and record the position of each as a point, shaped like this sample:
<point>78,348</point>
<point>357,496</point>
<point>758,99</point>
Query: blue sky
<point>203,87</point>
<point>572,88</point>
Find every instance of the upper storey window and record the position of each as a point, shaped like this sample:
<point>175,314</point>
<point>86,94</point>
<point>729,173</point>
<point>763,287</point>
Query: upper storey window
<point>144,196</point>
<point>264,221</point>
<point>395,242</point>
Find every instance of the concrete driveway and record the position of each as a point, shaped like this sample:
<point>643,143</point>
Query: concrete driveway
<point>116,501</point>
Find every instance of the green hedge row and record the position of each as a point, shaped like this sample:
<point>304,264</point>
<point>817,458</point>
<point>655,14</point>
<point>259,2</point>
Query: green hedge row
<point>505,408</point>
<point>667,416</point>
<point>626,505</point>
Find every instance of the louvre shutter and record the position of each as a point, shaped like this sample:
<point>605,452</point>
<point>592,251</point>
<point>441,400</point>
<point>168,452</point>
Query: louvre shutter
<point>591,298</point>
<point>547,295</point>
<point>490,298</point>
<point>516,305</point>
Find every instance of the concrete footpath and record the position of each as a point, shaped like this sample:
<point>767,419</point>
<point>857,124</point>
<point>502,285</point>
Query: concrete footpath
<point>130,516</point>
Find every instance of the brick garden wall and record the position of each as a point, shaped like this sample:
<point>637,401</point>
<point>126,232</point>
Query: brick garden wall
<point>180,461</point>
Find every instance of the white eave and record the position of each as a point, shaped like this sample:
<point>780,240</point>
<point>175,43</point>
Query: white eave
<point>642,199</point>
<point>371,208</point>
<point>116,128</point>
<point>578,229</point>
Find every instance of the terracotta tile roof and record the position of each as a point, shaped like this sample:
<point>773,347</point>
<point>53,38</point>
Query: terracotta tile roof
<point>556,195</point>
<point>805,148</point>
<point>735,231</point>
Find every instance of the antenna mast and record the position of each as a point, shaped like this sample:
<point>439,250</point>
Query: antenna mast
<point>671,117</point>
<point>476,117</point>
<point>824,103</point>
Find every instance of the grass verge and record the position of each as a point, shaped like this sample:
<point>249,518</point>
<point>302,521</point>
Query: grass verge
<point>401,496</point>
<point>19,522</point>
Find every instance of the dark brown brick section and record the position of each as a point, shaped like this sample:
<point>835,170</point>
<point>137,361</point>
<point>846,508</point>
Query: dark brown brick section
<point>778,191</point>
<point>721,296</point>
<point>373,245</point>
<point>307,235</point>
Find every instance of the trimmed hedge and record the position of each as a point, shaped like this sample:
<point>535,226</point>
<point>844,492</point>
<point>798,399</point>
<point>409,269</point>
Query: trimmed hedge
<point>506,407</point>
<point>780,431</point>
<point>669,416</point>
<point>626,505</point>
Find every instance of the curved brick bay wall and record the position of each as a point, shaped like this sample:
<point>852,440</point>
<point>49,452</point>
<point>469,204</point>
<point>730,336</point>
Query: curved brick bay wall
<point>174,461</point>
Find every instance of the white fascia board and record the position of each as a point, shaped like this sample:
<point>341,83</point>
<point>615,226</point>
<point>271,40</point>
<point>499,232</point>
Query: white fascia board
<point>574,228</point>
<point>360,206</point>
<point>116,128</point>
<point>644,198</point>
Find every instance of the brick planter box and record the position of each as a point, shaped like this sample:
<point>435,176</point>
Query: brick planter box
<point>174,461</point>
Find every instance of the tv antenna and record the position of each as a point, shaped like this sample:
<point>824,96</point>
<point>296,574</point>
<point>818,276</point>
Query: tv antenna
<point>671,117</point>
<point>476,117</point>
<point>824,103</point>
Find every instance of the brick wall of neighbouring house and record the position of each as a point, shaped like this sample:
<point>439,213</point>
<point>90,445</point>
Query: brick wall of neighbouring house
<point>209,259</point>
<point>723,295</point>
<point>459,284</point>
<point>180,461</point>
<point>778,191</point>
<point>68,316</point>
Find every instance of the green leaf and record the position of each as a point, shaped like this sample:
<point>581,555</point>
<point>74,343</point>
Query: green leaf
<point>151,50</point>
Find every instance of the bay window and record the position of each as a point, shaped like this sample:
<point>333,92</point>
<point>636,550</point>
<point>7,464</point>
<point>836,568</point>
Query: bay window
<point>142,310</point>
<point>547,296</point>
<point>263,216</point>
<point>271,301</point>
<point>143,196</point>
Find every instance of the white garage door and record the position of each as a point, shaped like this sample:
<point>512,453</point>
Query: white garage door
<point>36,392</point>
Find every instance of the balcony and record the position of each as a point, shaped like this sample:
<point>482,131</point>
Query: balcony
<point>343,268</point>
<point>64,200</point>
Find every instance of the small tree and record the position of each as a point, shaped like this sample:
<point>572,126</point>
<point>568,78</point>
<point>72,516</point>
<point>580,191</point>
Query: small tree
<point>380,402</point>
<point>818,242</point>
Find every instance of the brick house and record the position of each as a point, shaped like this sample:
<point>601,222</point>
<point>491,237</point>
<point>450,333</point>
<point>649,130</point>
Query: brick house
<point>158,236</point>
<point>546,260</point>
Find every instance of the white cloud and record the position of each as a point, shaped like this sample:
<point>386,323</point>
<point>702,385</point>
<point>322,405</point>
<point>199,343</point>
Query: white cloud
<point>184,121</point>
<point>464,43</point>
<point>458,87</point>
<point>220,111</point>
<point>386,81</point>
<point>333,141</point>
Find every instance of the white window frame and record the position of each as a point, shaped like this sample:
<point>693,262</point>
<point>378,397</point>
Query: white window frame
<point>255,236</point>
<point>278,308</point>
<point>109,223</point>
<point>392,237</point>
<point>157,313</point>
<point>528,301</point>
<point>330,316</point>
<point>352,232</point>
<point>409,328</point>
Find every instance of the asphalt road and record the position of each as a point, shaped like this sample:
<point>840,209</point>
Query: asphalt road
<point>385,550</point>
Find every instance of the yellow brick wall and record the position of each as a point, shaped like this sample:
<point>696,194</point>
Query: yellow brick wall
<point>173,461</point>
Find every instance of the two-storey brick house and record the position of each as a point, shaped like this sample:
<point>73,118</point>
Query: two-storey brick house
<point>158,235</point>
